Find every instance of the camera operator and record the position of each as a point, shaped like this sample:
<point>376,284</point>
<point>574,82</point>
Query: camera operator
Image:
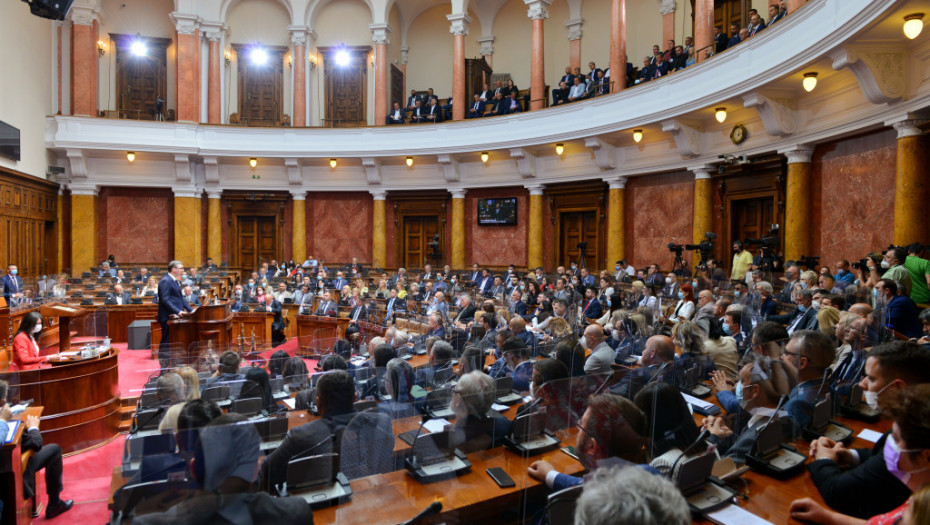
<point>792,274</point>
<point>893,264</point>
<point>742,259</point>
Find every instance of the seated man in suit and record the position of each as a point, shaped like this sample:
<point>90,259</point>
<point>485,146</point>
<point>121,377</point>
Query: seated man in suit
<point>466,312</point>
<point>226,373</point>
<point>447,109</point>
<point>190,297</point>
<point>412,99</point>
<point>486,93</point>
<point>517,306</point>
<point>568,77</point>
<point>46,457</point>
<point>417,113</point>
<point>236,305</point>
<point>433,112</point>
<point>438,306</point>
<point>119,296</point>
<point>560,94</point>
<point>106,271</point>
<point>513,103</point>
<point>900,310</point>
<point>658,356</point>
<point>474,429</point>
<point>143,276</point>
<point>335,394</point>
<point>804,317</point>
<point>434,324</point>
<point>592,307</point>
<point>499,107</point>
<point>281,293</point>
<point>577,90</point>
<point>807,356</point>
<point>358,313</point>
<point>327,306</point>
<point>396,116</point>
<point>277,325</point>
<point>440,369</point>
<point>476,110</point>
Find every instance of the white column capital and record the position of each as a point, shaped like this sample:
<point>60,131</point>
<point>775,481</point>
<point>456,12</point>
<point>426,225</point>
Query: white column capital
<point>187,191</point>
<point>667,7</point>
<point>299,195</point>
<point>574,28</point>
<point>380,33</point>
<point>84,190</point>
<point>83,15</point>
<point>908,128</point>
<point>378,194</point>
<point>458,193</point>
<point>800,154</point>
<point>487,45</point>
<point>404,51</point>
<point>214,193</point>
<point>459,23</point>
<point>535,189</point>
<point>298,35</point>
<point>212,31</point>
<point>701,172</point>
<point>185,23</point>
<point>538,9</point>
<point>617,184</point>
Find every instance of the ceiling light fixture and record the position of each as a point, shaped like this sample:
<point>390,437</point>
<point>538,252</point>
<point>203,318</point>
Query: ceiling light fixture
<point>809,82</point>
<point>559,148</point>
<point>130,156</point>
<point>138,48</point>
<point>409,161</point>
<point>332,163</point>
<point>637,135</point>
<point>913,25</point>
<point>720,114</point>
<point>484,157</point>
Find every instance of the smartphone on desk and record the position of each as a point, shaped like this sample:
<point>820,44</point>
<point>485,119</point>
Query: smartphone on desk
<point>571,451</point>
<point>500,477</point>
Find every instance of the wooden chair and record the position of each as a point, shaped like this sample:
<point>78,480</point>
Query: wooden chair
<point>234,118</point>
<point>35,507</point>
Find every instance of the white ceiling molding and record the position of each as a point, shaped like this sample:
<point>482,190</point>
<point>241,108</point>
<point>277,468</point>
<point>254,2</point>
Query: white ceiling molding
<point>882,71</point>
<point>603,152</point>
<point>78,163</point>
<point>777,114</point>
<point>293,171</point>
<point>449,167</point>
<point>372,169</point>
<point>526,162</point>
<point>182,168</point>
<point>687,137</point>
<point>211,170</point>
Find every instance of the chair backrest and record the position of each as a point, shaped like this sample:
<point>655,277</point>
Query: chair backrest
<point>216,393</point>
<point>247,407</point>
<point>561,505</point>
<point>368,445</point>
<point>127,498</point>
<point>148,399</point>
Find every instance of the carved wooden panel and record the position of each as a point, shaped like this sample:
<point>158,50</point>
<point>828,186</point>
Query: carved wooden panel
<point>346,92</point>
<point>28,228</point>
<point>397,87</point>
<point>477,73</point>
<point>425,213</point>
<point>261,87</point>
<point>583,207</point>
<point>140,80</point>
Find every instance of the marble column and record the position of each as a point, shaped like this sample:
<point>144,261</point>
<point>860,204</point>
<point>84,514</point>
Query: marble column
<point>187,227</point>
<point>459,28</point>
<point>618,57</point>
<point>487,50</point>
<point>379,36</point>
<point>83,62</point>
<point>793,5</point>
<point>912,186</point>
<point>668,20</point>
<point>214,93</point>
<point>60,231</point>
<point>458,229</point>
<point>299,228</point>
<point>404,51</point>
<point>703,208</point>
<point>574,41</point>
<point>83,229</point>
<point>703,26</point>
<point>798,202</point>
<point>299,40</point>
<point>379,230</point>
<point>538,13</point>
<point>534,256</point>
<point>188,62</point>
<point>214,227</point>
<point>616,232</point>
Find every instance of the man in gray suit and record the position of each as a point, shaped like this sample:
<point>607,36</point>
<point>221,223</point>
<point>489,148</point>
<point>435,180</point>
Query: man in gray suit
<point>803,318</point>
<point>705,305</point>
<point>602,355</point>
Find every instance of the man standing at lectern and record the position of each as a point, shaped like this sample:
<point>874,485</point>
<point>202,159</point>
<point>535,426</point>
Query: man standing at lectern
<point>170,303</point>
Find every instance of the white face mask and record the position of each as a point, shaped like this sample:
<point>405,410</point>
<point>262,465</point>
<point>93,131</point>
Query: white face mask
<point>37,329</point>
<point>669,280</point>
<point>816,305</point>
<point>886,264</point>
<point>871,398</point>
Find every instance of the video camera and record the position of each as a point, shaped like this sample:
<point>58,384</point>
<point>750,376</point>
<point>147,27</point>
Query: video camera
<point>808,261</point>
<point>675,248</point>
<point>766,241</point>
<point>706,247</point>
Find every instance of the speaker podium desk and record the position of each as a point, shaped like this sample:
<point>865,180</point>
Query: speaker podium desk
<point>316,334</point>
<point>208,323</point>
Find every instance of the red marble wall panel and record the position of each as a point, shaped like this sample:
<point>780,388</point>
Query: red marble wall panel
<point>659,211</point>
<point>136,225</point>
<point>340,226</point>
<point>496,245</point>
<point>853,185</point>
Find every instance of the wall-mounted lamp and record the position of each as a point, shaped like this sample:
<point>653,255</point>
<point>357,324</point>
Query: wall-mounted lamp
<point>130,156</point>
<point>227,56</point>
<point>290,61</point>
<point>559,148</point>
<point>313,60</point>
<point>637,135</point>
<point>913,25</point>
<point>101,47</point>
<point>409,161</point>
<point>332,163</point>
<point>253,162</point>
<point>720,114</point>
<point>484,157</point>
<point>809,82</point>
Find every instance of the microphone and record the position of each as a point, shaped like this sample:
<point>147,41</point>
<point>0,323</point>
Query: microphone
<point>433,509</point>
<point>781,401</point>
<point>701,437</point>
<point>658,372</point>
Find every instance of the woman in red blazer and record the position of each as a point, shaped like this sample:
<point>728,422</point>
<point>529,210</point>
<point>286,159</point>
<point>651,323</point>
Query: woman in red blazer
<point>26,343</point>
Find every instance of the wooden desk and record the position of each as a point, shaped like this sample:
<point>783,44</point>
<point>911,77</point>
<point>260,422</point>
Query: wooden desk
<point>119,317</point>
<point>11,474</point>
<point>316,334</point>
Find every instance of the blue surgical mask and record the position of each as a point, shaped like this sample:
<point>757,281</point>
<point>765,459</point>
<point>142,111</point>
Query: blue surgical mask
<point>617,268</point>
<point>14,272</point>
<point>726,329</point>
<point>738,391</point>
<point>874,293</point>
<point>803,285</point>
<point>681,295</point>
<point>736,293</point>
<point>802,308</point>
<point>694,284</point>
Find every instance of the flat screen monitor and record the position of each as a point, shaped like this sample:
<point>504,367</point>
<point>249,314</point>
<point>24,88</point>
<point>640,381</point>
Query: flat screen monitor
<point>9,141</point>
<point>497,211</point>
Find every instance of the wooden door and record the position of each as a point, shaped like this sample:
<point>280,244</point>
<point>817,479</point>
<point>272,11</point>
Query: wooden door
<point>749,219</point>
<point>346,93</point>
<point>397,87</point>
<point>140,80</point>
<point>418,232</point>
<point>728,12</point>
<point>578,227</point>
<point>256,240</point>
<point>261,87</point>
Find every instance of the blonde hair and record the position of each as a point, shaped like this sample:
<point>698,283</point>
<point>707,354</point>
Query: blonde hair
<point>191,382</point>
<point>828,316</point>
<point>811,277</point>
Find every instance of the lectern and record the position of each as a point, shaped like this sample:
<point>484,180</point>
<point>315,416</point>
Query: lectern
<point>209,322</point>
<point>64,313</point>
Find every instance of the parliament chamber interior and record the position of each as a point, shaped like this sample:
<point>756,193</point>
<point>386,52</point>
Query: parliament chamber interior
<point>465,261</point>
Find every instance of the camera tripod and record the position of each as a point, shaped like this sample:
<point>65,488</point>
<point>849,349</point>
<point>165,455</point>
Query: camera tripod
<point>678,267</point>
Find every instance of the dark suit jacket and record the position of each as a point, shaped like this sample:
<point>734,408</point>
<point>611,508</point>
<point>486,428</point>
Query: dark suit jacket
<point>486,95</point>
<point>809,322</point>
<point>8,288</point>
<point>195,300</point>
<point>902,316</point>
<point>499,107</point>
<point>592,309</point>
<point>170,301</point>
<point>307,439</point>
<point>435,112</point>
<point>720,43</point>
<point>361,311</point>
<point>466,314</point>
<point>734,40</point>
<point>560,96</point>
<point>516,108</point>
<point>278,323</point>
<point>329,309</point>
<point>518,308</point>
<point>568,79</point>
<point>111,298</point>
<point>472,112</point>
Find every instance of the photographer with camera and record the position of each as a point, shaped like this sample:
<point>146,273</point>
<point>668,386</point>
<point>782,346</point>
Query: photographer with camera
<point>742,259</point>
<point>893,264</point>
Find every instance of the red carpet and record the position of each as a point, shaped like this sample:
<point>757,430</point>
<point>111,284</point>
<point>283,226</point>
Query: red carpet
<point>87,476</point>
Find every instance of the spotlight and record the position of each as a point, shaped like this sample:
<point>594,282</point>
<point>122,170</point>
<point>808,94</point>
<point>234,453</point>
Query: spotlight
<point>409,161</point>
<point>720,114</point>
<point>809,82</point>
<point>138,48</point>
<point>484,157</point>
<point>559,148</point>
<point>258,56</point>
<point>637,135</point>
<point>332,163</point>
<point>342,58</point>
<point>253,162</point>
<point>913,25</point>
<point>130,156</point>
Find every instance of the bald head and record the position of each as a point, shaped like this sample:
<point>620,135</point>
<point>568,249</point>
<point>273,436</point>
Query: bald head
<point>517,325</point>
<point>594,333</point>
<point>661,348</point>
